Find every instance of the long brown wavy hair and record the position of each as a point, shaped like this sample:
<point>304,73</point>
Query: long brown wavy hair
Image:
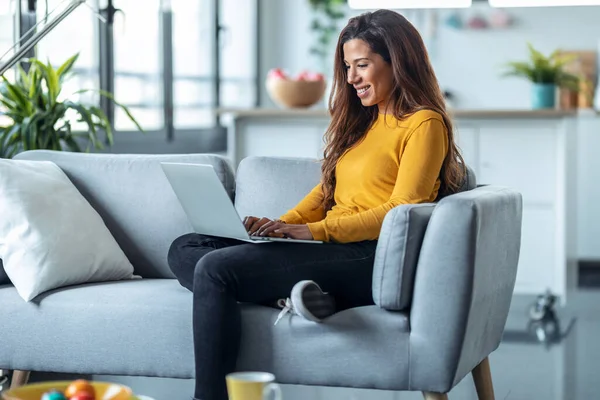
<point>397,41</point>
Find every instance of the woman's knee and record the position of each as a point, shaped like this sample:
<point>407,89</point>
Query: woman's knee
<point>177,250</point>
<point>214,267</point>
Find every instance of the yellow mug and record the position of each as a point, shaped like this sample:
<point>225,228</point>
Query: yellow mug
<point>252,386</point>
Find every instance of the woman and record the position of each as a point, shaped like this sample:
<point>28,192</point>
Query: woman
<point>390,142</point>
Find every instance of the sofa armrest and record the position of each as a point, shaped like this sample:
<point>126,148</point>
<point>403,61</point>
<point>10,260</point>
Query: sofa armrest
<point>397,254</point>
<point>463,284</point>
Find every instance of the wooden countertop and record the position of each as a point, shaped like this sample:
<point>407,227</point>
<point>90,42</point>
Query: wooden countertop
<point>472,114</point>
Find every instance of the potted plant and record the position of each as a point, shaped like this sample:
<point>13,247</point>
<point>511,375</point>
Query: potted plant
<point>326,15</point>
<point>40,118</point>
<point>325,18</point>
<point>546,74</point>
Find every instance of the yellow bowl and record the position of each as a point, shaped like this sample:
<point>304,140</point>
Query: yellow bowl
<point>104,391</point>
<point>295,94</point>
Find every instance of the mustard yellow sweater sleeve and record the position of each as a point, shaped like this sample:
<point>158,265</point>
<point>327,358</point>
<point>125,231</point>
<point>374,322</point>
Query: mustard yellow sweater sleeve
<point>418,172</point>
<point>309,209</point>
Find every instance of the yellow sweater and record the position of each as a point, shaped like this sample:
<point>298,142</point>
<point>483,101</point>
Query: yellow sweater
<point>397,162</point>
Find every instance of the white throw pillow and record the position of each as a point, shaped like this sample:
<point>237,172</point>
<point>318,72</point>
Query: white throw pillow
<point>50,236</point>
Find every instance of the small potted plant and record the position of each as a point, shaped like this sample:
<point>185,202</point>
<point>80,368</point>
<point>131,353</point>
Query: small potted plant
<point>38,116</point>
<point>546,75</point>
<point>326,15</point>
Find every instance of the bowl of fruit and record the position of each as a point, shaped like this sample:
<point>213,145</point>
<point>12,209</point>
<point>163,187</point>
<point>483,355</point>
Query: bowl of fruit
<point>70,390</point>
<point>301,91</point>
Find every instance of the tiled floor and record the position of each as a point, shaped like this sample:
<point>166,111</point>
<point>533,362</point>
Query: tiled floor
<point>566,367</point>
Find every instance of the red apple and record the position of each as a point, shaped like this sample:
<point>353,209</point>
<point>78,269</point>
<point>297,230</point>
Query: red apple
<point>276,73</point>
<point>317,76</point>
<point>303,76</point>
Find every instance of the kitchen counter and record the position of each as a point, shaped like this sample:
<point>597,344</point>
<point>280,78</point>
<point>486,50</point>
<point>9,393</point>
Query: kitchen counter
<point>470,114</point>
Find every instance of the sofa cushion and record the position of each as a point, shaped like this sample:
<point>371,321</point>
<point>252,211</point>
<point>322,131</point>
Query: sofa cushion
<point>332,353</point>
<point>135,199</point>
<point>144,328</point>
<point>269,187</point>
<point>137,327</point>
<point>397,254</point>
<point>51,236</point>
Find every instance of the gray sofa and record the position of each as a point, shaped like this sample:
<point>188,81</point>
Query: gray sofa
<point>442,286</point>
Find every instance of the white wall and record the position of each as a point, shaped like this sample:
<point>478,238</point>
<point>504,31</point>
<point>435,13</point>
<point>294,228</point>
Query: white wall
<point>467,62</point>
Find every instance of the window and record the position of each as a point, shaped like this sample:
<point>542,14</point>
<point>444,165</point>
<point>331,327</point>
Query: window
<point>76,34</point>
<point>6,26</point>
<point>140,77</point>
<point>238,53</point>
<point>138,80</point>
<point>6,41</point>
<point>193,63</point>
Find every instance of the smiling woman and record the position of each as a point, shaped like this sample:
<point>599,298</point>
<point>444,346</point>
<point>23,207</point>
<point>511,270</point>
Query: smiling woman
<point>390,143</point>
<point>381,67</point>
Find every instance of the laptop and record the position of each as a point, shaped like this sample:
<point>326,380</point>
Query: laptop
<point>207,204</point>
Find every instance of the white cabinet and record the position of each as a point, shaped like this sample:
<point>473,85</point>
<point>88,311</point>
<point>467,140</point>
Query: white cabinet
<point>276,136</point>
<point>538,257</point>
<point>466,136</point>
<point>522,158</point>
<point>537,158</point>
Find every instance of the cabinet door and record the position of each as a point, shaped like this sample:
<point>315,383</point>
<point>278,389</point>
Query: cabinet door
<point>537,259</point>
<point>524,158</point>
<point>466,137</point>
<point>280,139</point>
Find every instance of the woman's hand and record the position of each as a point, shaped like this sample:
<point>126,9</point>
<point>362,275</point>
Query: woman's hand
<point>280,229</point>
<point>252,224</point>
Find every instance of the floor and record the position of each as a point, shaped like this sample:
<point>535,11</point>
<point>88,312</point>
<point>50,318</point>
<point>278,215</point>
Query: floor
<point>560,362</point>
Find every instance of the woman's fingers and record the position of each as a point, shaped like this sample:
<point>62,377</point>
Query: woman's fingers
<point>257,224</point>
<point>248,221</point>
<point>269,228</point>
<point>262,229</point>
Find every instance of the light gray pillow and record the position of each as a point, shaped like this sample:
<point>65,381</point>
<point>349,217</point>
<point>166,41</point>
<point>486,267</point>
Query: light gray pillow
<point>397,254</point>
<point>52,236</point>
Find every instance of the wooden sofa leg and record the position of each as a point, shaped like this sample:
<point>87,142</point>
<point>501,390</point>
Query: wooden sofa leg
<point>19,378</point>
<point>482,376</point>
<point>435,396</point>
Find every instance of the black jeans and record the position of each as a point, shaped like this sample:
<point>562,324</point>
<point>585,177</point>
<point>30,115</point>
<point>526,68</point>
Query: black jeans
<point>222,272</point>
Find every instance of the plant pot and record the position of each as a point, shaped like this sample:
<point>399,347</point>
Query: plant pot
<point>543,95</point>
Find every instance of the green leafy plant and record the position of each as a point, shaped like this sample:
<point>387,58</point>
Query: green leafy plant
<point>40,119</point>
<point>545,69</point>
<point>326,15</point>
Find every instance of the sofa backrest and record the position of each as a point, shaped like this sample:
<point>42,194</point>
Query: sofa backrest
<point>134,198</point>
<point>269,186</point>
<point>470,181</point>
